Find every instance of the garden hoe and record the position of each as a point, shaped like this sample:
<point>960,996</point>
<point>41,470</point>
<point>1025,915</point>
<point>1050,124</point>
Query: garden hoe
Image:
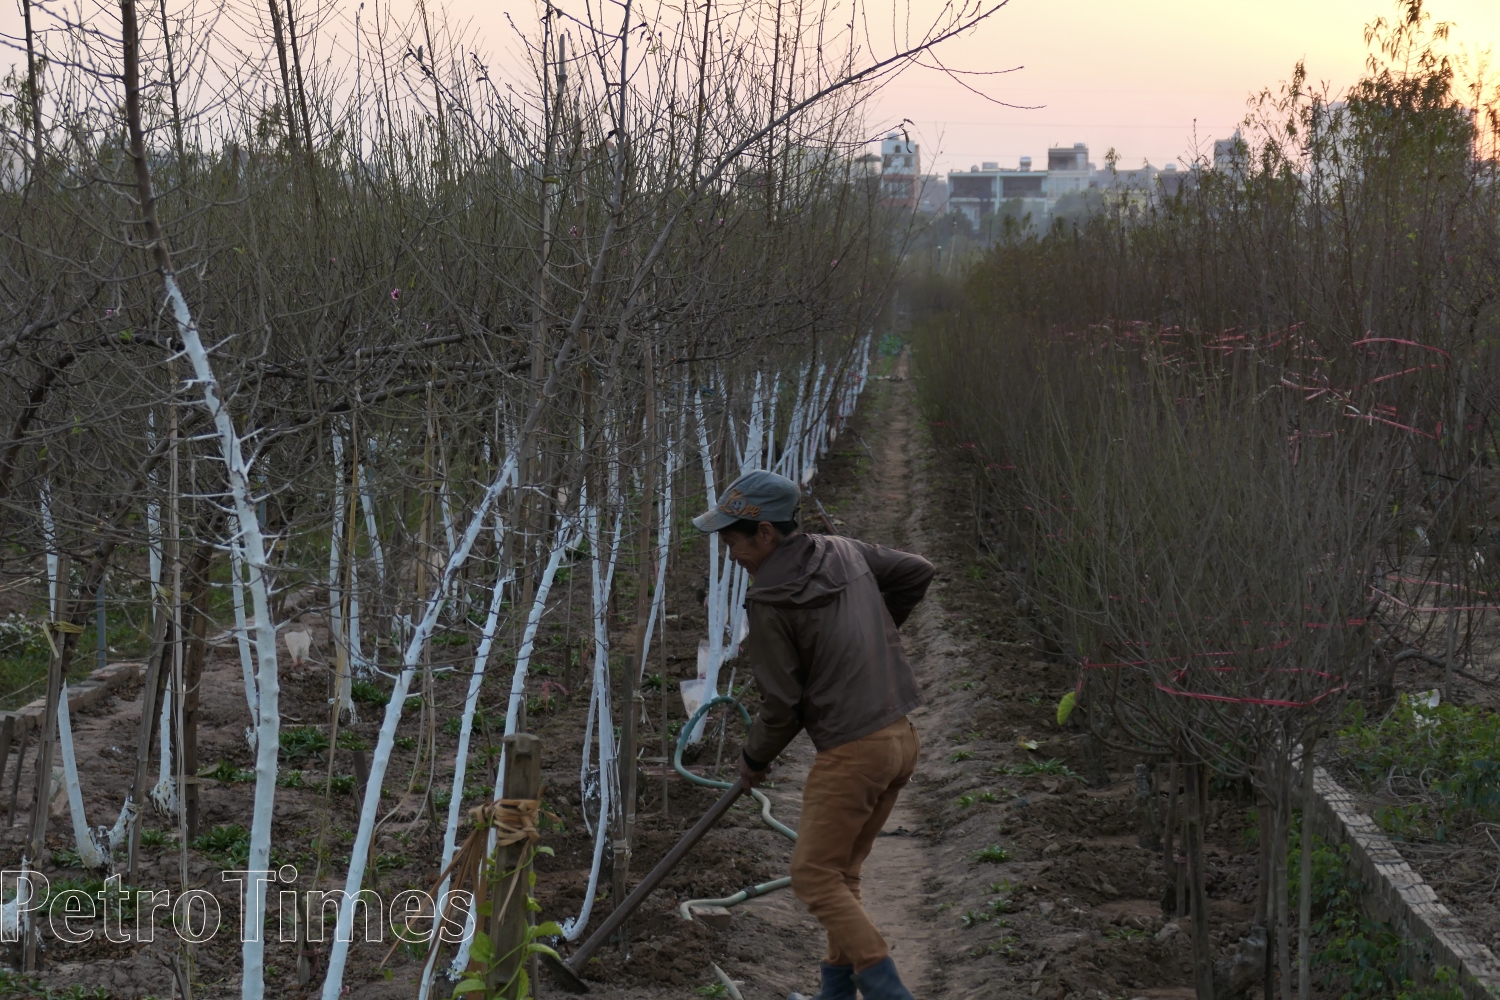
<point>567,973</point>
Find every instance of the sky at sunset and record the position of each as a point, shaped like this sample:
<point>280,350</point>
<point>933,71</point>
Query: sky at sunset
<point>1137,75</point>
<point>1154,80</point>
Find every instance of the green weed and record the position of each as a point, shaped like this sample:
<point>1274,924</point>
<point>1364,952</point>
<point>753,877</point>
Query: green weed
<point>1444,754</point>
<point>992,855</point>
<point>301,743</point>
<point>368,694</point>
<point>227,773</point>
<point>1033,768</point>
<point>231,843</point>
<point>960,755</point>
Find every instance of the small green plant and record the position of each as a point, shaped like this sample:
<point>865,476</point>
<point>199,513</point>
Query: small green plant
<point>350,740</point>
<point>156,838</point>
<point>67,859</point>
<point>1444,756</point>
<point>1034,768</point>
<point>231,843</point>
<point>988,797</point>
<point>227,773</point>
<point>289,779</point>
<point>1002,905</point>
<point>975,572</point>
<point>341,784</point>
<point>1124,933</point>
<point>992,855</point>
<point>1005,946</point>
<point>971,919</point>
<point>1002,887</point>
<point>301,743</point>
<point>406,742</point>
<point>368,694</point>
<point>965,801</point>
<point>1361,958</point>
<point>482,957</point>
<point>712,990</point>
<point>960,755</point>
<point>651,682</point>
<point>455,723</point>
<point>388,862</point>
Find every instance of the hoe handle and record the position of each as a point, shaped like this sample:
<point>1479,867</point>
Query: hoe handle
<point>663,868</point>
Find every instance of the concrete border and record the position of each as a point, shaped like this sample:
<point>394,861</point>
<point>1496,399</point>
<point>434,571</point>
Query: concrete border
<point>86,693</point>
<point>1396,894</point>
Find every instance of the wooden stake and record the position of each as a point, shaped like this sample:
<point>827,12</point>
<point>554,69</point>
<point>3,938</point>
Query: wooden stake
<point>192,674</point>
<point>42,800</point>
<point>7,737</point>
<point>1203,954</point>
<point>508,924</point>
<point>151,692</point>
<point>15,781</point>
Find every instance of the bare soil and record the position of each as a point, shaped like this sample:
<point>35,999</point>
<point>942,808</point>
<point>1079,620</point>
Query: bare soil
<point>1082,913</point>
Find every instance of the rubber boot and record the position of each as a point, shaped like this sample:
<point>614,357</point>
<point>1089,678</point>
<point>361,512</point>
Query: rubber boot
<point>880,982</point>
<point>838,984</point>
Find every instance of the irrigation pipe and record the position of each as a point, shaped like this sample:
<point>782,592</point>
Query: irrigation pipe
<point>750,892</point>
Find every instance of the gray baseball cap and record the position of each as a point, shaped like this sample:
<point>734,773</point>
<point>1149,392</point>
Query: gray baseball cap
<point>755,496</point>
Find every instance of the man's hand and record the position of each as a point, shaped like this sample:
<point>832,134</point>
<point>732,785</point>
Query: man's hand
<point>751,778</point>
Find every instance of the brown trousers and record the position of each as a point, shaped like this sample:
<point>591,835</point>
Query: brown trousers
<point>849,794</point>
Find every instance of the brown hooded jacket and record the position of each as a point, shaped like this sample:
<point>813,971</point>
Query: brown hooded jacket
<point>823,613</point>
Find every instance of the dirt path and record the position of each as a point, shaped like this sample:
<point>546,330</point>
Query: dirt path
<point>883,503</point>
<point>1000,874</point>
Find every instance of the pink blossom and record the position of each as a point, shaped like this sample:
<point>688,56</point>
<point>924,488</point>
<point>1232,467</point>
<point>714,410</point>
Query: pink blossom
<point>834,262</point>
<point>108,313</point>
<point>572,230</point>
<point>396,294</point>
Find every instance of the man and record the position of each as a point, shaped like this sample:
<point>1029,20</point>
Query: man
<point>823,613</point>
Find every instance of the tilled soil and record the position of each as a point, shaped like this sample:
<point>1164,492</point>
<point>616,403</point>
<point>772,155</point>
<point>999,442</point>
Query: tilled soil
<point>1068,906</point>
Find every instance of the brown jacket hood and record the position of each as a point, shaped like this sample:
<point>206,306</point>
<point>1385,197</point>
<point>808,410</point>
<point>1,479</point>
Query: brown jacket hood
<point>807,572</point>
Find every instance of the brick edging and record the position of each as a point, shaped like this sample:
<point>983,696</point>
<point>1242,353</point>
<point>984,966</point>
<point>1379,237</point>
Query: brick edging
<point>1431,933</point>
<point>86,693</point>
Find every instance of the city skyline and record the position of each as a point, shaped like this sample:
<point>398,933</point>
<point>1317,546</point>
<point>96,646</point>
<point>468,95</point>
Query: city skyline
<point>1139,79</point>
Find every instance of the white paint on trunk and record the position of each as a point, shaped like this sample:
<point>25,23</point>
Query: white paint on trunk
<point>339,954</point>
<point>89,853</point>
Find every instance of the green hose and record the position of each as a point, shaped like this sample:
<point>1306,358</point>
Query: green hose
<point>749,892</point>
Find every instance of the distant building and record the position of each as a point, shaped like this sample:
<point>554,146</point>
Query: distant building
<point>1230,154</point>
<point>984,189</point>
<point>1068,169</point>
<point>933,195</point>
<point>900,171</point>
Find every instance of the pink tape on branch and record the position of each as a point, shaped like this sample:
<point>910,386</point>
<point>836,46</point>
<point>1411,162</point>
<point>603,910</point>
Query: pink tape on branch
<point>1231,700</point>
<point>1189,656</point>
<point>1381,420</point>
<point>1437,583</point>
<point>1419,368</point>
<point>1407,343</point>
<point>1436,609</point>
